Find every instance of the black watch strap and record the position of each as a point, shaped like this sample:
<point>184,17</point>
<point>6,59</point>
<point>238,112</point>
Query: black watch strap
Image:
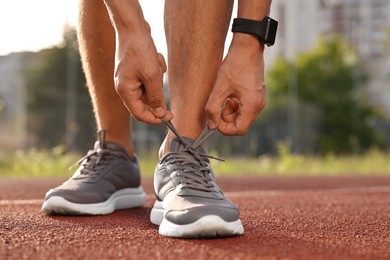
<point>264,29</point>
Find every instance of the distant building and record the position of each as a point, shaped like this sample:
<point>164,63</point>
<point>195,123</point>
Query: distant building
<point>13,113</point>
<point>364,24</point>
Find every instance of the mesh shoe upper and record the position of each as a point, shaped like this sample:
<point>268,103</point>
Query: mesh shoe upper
<point>103,171</point>
<point>185,183</point>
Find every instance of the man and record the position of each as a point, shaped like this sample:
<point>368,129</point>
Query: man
<point>206,93</point>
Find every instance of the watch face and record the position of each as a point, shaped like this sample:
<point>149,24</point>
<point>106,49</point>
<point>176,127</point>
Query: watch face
<point>270,32</point>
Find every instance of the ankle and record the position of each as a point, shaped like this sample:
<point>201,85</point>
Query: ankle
<point>182,130</point>
<point>164,148</point>
<point>125,142</point>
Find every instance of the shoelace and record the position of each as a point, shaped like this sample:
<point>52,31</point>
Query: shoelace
<point>98,158</point>
<point>194,169</point>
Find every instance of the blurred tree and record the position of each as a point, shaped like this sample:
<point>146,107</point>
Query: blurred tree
<point>329,78</point>
<point>49,82</point>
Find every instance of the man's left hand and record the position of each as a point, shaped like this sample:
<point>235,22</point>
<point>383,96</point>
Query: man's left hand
<point>239,91</point>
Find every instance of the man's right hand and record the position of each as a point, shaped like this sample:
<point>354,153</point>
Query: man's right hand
<point>139,69</point>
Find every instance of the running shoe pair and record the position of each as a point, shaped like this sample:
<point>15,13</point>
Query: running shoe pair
<point>189,203</point>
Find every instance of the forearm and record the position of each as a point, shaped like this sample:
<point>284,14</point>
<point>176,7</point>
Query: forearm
<point>253,9</point>
<point>126,15</point>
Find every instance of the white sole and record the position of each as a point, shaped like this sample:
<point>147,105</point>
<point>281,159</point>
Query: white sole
<point>207,226</point>
<point>122,199</point>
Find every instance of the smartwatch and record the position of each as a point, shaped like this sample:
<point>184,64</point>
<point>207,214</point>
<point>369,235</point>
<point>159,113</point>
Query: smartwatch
<point>264,29</point>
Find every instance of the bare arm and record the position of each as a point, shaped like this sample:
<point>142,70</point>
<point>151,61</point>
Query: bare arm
<point>239,92</point>
<point>139,68</point>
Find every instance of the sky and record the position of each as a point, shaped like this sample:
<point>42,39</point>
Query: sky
<point>32,25</point>
<point>27,25</point>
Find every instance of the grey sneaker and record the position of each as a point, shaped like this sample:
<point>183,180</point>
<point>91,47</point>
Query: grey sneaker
<point>189,203</point>
<point>106,180</point>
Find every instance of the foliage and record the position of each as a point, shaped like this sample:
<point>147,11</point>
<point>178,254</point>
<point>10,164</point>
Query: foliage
<point>48,83</point>
<point>329,79</point>
<point>55,162</point>
<point>331,113</point>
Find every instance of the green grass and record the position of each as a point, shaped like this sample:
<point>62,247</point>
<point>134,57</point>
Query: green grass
<point>34,163</point>
<point>54,162</point>
<point>372,163</point>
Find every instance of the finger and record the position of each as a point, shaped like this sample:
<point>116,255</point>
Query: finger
<point>239,126</point>
<point>143,113</point>
<point>162,62</point>
<point>241,118</point>
<point>136,106</point>
<point>213,112</point>
<point>237,119</point>
<point>154,93</point>
<point>229,111</point>
<point>135,103</point>
<point>144,97</point>
<point>215,106</point>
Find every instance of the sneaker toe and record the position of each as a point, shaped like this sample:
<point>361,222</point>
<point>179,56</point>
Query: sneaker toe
<point>80,197</point>
<point>191,215</point>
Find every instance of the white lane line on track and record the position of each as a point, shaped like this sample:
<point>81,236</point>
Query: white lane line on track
<point>20,202</point>
<point>359,190</point>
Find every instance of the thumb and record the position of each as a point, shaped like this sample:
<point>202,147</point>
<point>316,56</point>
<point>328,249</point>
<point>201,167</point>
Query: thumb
<point>214,109</point>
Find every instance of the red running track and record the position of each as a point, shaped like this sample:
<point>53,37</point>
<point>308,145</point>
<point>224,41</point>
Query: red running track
<point>283,217</point>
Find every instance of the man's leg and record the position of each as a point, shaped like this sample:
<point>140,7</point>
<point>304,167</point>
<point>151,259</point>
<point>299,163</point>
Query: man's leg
<point>108,177</point>
<point>189,203</point>
<point>196,32</point>
<point>97,48</point>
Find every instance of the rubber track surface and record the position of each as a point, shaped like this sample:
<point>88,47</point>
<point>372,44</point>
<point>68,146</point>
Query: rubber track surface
<point>283,217</point>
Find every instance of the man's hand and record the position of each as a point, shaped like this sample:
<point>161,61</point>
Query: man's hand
<point>139,69</point>
<point>239,92</point>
